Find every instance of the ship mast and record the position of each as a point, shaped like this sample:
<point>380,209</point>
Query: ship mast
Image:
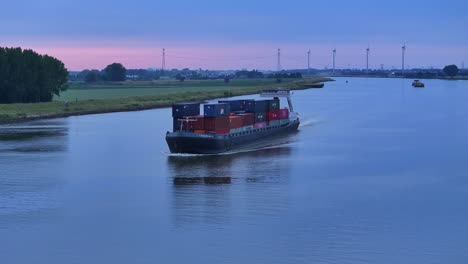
<point>279,93</point>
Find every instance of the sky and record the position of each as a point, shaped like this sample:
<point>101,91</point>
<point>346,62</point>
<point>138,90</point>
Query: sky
<point>90,34</point>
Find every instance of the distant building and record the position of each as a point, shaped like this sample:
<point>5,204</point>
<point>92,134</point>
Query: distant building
<point>132,77</point>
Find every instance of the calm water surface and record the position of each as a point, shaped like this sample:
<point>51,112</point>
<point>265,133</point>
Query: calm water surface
<point>378,173</point>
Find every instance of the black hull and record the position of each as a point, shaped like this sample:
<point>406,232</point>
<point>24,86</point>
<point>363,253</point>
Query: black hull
<point>187,142</point>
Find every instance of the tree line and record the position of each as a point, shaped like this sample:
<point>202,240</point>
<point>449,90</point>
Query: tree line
<point>117,72</point>
<point>28,77</point>
<point>114,72</point>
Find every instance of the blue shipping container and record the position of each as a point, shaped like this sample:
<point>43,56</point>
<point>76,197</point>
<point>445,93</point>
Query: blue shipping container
<point>261,105</point>
<point>216,110</point>
<point>249,106</point>
<point>235,105</point>
<point>185,109</point>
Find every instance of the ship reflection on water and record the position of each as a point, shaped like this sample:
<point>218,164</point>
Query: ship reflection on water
<point>211,189</point>
<point>201,180</point>
<point>218,169</point>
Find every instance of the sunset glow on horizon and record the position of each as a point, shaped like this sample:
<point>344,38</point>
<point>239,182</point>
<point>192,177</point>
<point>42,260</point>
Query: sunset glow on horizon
<point>235,37</point>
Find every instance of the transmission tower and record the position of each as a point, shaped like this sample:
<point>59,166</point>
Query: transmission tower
<point>163,66</point>
<point>403,49</point>
<point>308,62</point>
<point>278,64</point>
<point>334,54</point>
<point>367,60</point>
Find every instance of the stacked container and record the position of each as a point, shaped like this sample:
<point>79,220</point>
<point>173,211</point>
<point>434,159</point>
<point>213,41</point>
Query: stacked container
<point>235,121</point>
<point>273,114</point>
<point>179,111</point>
<point>213,110</point>
<point>248,119</point>
<point>217,124</point>
<point>217,118</point>
<point>249,106</point>
<point>235,105</point>
<point>240,106</point>
<point>228,116</point>
<point>284,116</point>
<point>192,123</point>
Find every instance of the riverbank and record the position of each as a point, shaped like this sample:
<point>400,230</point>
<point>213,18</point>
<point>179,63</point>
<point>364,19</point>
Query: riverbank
<point>120,97</point>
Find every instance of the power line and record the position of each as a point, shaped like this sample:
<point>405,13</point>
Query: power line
<point>163,66</point>
<point>218,58</point>
<point>278,65</point>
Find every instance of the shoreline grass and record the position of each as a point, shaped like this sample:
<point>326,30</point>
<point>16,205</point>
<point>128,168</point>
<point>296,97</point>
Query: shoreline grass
<point>133,96</point>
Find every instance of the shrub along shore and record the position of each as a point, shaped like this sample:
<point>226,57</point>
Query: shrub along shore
<point>149,95</point>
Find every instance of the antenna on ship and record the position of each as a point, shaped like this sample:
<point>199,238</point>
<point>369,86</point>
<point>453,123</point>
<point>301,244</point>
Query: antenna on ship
<point>308,62</point>
<point>367,60</point>
<point>278,64</point>
<point>163,64</point>
<point>403,49</point>
<point>334,54</point>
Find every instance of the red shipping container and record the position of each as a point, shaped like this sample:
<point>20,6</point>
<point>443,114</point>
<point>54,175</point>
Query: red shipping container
<point>273,115</point>
<point>260,125</point>
<point>215,123</point>
<point>196,122</point>
<point>191,122</point>
<point>235,121</point>
<point>248,119</point>
<point>284,113</point>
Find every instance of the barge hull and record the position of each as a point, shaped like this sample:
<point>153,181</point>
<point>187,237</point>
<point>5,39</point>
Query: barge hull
<point>186,142</point>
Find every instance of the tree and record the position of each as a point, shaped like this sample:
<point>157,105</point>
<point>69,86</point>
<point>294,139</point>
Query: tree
<point>450,70</point>
<point>92,76</point>
<point>28,77</point>
<point>115,72</point>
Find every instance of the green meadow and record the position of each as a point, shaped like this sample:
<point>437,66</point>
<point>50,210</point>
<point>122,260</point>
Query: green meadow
<point>85,98</point>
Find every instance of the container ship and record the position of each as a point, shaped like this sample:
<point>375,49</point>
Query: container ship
<point>231,125</point>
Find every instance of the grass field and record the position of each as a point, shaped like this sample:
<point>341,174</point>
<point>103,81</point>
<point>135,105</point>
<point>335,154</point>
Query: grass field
<point>84,91</point>
<point>137,95</point>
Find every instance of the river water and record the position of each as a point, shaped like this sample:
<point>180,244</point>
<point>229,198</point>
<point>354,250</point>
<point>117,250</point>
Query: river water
<point>378,173</point>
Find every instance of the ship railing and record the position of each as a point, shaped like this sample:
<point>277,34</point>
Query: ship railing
<point>184,120</point>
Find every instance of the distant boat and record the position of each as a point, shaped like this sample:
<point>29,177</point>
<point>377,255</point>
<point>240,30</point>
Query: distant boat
<point>313,85</point>
<point>418,84</point>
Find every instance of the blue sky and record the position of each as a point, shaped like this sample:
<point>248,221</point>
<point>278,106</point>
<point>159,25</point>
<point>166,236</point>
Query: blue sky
<point>231,34</point>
